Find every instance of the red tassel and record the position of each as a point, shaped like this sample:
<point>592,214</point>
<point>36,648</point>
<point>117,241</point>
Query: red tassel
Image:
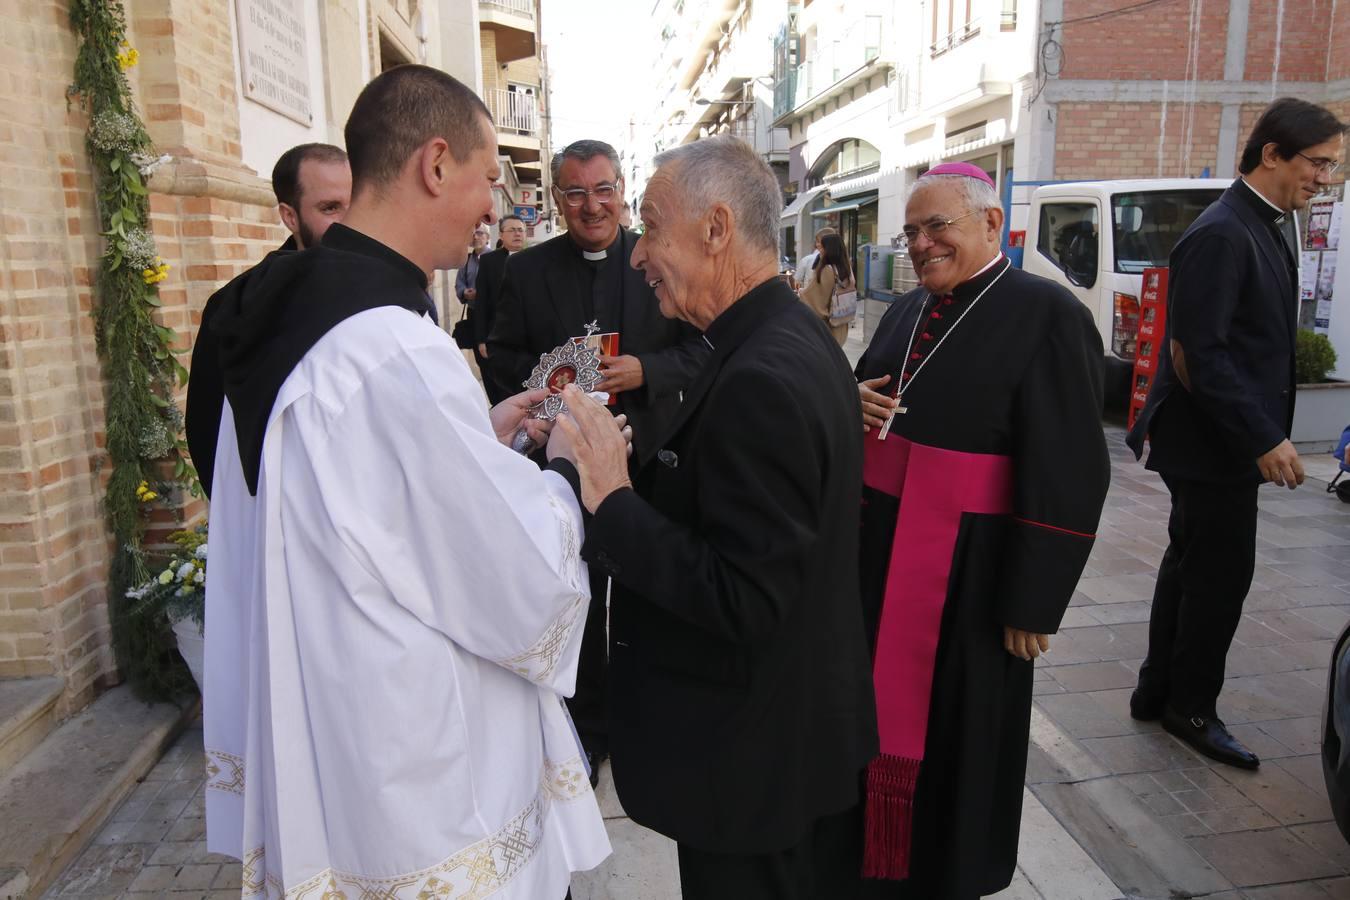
<point>890,816</point>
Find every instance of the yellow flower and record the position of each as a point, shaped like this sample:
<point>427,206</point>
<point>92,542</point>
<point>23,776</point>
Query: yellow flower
<point>127,57</point>
<point>148,496</point>
<point>157,273</point>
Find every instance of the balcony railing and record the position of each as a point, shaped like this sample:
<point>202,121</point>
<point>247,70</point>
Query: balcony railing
<point>514,111</point>
<point>829,64</point>
<point>519,7</point>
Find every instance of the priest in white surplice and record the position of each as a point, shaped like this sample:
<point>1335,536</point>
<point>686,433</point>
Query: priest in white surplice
<point>396,598</point>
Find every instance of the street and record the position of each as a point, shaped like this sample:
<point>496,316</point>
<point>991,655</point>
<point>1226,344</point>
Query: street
<point>1115,807</point>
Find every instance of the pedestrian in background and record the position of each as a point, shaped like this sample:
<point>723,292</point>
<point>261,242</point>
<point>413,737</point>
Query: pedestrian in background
<point>488,285</point>
<point>1219,415</point>
<point>808,262</point>
<point>830,274</point>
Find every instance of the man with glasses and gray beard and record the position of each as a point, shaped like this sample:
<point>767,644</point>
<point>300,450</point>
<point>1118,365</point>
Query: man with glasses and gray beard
<point>550,293</point>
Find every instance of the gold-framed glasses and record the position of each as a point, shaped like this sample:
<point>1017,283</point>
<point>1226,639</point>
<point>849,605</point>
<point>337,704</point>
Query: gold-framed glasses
<point>603,193</point>
<point>932,229</point>
<point>1323,165</point>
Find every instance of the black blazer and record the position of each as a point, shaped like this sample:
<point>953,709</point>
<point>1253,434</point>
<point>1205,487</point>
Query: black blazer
<point>539,307</point>
<point>740,678</point>
<point>488,285</point>
<point>1232,305</point>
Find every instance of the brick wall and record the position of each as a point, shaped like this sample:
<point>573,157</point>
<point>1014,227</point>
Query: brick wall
<point>1149,44</point>
<point>211,217</point>
<point>1121,140</point>
<point>1338,50</point>
<point>1303,41</point>
<point>53,551</point>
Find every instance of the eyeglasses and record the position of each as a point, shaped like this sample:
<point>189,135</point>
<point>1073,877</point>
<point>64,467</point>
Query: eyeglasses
<point>1324,166</point>
<point>934,229</point>
<point>603,193</point>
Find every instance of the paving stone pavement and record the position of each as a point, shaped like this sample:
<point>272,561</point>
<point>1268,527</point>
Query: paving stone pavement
<point>1115,807</point>
<point>1156,816</point>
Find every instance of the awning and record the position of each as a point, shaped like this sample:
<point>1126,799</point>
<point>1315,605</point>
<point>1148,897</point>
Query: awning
<point>795,207</point>
<point>849,187</point>
<point>844,207</point>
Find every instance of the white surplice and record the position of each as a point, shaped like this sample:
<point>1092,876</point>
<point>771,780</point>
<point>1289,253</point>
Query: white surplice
<point>391,624</point>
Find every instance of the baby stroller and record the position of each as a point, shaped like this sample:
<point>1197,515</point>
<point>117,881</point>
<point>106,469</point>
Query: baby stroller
<point>1337,486</point>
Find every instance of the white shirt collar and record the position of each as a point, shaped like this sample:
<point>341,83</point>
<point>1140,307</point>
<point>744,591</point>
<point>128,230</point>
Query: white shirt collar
<point>1253,189</point>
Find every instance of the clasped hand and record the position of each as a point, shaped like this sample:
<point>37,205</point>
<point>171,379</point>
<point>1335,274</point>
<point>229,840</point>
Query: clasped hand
<point>594,441</point>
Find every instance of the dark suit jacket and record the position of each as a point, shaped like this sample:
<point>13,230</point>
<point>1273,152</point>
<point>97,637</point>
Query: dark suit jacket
<point>740,679</point>
<point>1232,305</point>
<point>539,307</point>
<point>491,271</point>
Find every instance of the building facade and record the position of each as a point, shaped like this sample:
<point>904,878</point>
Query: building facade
<point>1172,89</point>
<point>514,85</point>
<point>224,87</point>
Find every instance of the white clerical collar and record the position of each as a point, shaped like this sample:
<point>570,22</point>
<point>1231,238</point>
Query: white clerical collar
<point>986,267</point>
<point>594,255</point>
<point>1279,212</point>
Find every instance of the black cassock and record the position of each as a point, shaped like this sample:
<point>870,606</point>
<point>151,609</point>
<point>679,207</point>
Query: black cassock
<point>998,471</point>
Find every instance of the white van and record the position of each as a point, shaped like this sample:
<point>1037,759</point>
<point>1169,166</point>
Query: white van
<point>1103,267</point>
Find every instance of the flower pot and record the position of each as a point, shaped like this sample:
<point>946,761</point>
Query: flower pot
<point>1321,411</point>
<point>192,645</point>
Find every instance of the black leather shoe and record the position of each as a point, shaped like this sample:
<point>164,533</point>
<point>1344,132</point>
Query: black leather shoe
<point>1210,737</point>
<point>593,761</point>
<point>1144,708</point>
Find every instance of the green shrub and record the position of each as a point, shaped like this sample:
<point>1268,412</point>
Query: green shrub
<point>1314,357</point>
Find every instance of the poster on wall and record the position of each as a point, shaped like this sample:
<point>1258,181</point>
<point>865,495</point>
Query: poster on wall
<point>273,59</point>
<point>1309,266</point>
<point>1326,281</point>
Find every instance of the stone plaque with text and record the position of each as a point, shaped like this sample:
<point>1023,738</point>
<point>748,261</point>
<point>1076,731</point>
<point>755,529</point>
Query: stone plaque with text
<point>273,56</point>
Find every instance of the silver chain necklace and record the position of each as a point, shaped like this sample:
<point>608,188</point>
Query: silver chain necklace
<point>900,408</point>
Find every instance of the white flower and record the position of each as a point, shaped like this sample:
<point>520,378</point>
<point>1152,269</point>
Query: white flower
<point>148,164</point>
<point>185,571</point>
<point>137,593</point>
<point>200,552</point>
<point>166,576</point>
<point>200,577</point>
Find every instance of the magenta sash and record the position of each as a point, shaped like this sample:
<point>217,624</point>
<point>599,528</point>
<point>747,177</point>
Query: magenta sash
<point>935,487</point>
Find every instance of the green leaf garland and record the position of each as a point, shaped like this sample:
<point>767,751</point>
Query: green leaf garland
<point>139,359</point>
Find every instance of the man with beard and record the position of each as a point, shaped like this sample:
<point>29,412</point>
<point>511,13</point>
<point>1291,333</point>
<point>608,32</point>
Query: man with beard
<point>549,294</point>
<point>985,471</point>
<point>313,187</point>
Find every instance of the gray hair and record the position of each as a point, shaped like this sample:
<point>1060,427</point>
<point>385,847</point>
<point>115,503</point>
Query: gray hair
<point>977,195</point>
<point>585,151</point>
<point>726,169</point>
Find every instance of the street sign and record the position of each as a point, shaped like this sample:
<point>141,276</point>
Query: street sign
<point>528,214</point>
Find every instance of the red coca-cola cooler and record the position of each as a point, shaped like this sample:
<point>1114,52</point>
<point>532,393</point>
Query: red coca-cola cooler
<point>1148,346</point>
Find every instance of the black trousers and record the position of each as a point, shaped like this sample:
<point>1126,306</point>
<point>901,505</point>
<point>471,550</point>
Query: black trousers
<point>1197,602</point>
<point>589,706</point>
<point>825,865</point>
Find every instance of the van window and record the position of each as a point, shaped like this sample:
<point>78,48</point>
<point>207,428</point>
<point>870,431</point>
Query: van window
<point>1068,237</point>
<point>1147,225</point>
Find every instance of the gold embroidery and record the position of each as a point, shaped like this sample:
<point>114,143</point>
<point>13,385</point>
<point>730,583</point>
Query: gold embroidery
<point>566,780</point>
<point>538,662</point>
<point>476,872</point>
<point>224,772</point>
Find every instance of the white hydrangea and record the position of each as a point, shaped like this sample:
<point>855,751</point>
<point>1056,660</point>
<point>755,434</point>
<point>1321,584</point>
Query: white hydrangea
<point>185,571</point>
<point>200,552</point>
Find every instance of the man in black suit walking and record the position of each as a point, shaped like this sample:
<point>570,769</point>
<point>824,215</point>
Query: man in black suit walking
<point>549,294</point>
<point>488,286</point>
<point>743,711</point>
<point>1219,416</point>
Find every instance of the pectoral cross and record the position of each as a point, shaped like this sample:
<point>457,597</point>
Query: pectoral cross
<point>592,327</point>
<point>886,426</point>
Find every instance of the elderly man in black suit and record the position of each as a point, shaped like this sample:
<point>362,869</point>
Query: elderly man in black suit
<point>1219,416</point>
<point>742,712</point>
<point>549,294</point>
